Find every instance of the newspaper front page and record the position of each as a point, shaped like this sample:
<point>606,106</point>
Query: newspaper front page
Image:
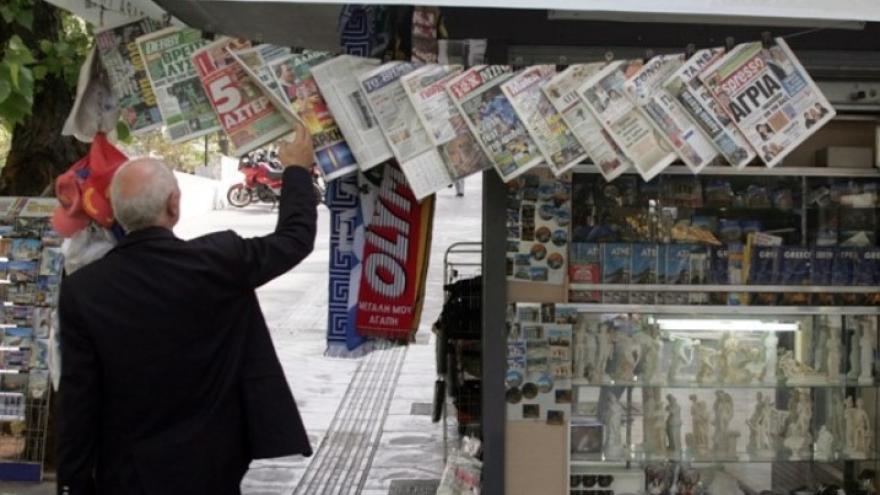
<point>545,124</point>
<point>686,88</point>
<point>478,96</point>
<point>769,96</point>
<point>645,89</point>
<point>247,115</point>
<point>395,114</point>
<point>631,130</point>
<point>300,96</point>
<point>602,150</point>
<point>182,100</point>
<point>337,80</point>
<point>426,88</point>
<point>409,139</point>
<point>118,52</point>
<point>255,61</point>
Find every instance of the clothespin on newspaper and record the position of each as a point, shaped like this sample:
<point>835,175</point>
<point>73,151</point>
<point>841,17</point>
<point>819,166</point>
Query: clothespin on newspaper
<point>563,63</point>
<point>609,57</point>
<point>518,64</point>
<point>767,40</point>
<point>729,43</point>
<point>649,54</point>
<point>166,19</point>
<point>209,35</point>
<point>689,50</point>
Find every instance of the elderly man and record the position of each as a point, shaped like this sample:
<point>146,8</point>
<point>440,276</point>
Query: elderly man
<point>169,382</point>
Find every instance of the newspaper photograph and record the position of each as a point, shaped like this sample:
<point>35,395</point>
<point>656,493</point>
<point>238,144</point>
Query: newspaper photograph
<point>604,95</point>
<point>426,88</point>
<point>182,100</point>
<point>769,96</point>
<point>247,115</point>
<point>685,87</point>
<point>118,52</point>
<point>337,81</point>
<point>602,150</point>
<point>394,113</point>
<point>477,94</point>
<point>551,134</point>
<point>645,89</point>
<point>255,61</point>
<point>292,75</point>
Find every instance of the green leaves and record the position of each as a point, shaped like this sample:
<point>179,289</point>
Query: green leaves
<point>17,90</point>
<point>18,11</point>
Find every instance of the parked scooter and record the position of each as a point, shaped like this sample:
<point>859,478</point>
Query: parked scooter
<point>262,183</point>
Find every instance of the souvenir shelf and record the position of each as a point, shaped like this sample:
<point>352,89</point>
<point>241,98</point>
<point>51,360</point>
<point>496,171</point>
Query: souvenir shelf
<point>30,273</point>
<point>776,350</point>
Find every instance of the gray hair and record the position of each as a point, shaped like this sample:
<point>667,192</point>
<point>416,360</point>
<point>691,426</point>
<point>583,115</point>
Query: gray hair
<point>137,207</point>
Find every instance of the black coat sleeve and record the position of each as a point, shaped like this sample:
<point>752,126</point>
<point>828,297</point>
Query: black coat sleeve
<point>79,396</point>
<point>260,259</point>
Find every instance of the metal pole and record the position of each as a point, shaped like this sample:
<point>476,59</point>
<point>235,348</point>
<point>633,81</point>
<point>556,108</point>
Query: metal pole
<point>494,337</point>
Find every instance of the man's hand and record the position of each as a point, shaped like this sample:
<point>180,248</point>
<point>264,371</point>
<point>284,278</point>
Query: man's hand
<point>299,152</point>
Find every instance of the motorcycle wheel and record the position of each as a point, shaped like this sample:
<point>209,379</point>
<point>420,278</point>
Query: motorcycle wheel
<point>239,196</point>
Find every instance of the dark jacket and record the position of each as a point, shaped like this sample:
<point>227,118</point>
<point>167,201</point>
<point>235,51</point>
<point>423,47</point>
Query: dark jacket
<point>169,382</point>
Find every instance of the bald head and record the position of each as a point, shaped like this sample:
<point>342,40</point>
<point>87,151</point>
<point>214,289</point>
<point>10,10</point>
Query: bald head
<point>144,194</point>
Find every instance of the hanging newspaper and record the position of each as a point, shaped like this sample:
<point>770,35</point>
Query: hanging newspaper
<point>128,76</point>
<point>769,96</point>
<point>645,89</point>
<point>255,61</point>
<point>300,97</point>
<point>337,80</point>
<point>182,100</point>
<point>602,150</point>
<point>551,134</point>
<point>421,163</point>
<point>604,95</point>
<point>478,96</point>
<point>246,114</point>
<point>446,127</point>
<point>687,89</point>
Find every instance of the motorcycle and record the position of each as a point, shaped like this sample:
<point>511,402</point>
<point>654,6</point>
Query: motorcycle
<point>262,181</point>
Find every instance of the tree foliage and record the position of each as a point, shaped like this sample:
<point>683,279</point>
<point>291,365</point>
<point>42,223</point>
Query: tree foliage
<point>27,60</point>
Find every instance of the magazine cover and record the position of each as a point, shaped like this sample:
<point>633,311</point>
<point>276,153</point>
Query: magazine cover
<point>337,80</point>
<point>645,266</point>
<point>299,95</point>
<point>645,89</point>
<point>769,96</point>
<point>584,268</point>
<point>616,266</point>
<point>685,87</point>
<point>551,134</point>
<point>604,96</point>
<point>602,150</point>
<point>247,115</point>
<point>477,94</point>
<point>426,88</point>
<point>179,93</point>
<point>119,55</point>
<point>538,215</point>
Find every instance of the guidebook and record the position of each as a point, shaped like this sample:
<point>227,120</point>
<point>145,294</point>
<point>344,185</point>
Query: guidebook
<point>426,88</point>
<point>686,88</point>
<point>248,116</point>
<point>631,130</point>
<point>769,96</point>
<point>179,93</point>
<point>545,124</point>
<point>337,79</point>
<point>119,55</point>
<point>644,88</point>
<point>477,94</point>
<point>601,148</point>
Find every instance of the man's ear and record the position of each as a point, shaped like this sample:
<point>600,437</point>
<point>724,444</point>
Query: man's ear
<point>173,207</point>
